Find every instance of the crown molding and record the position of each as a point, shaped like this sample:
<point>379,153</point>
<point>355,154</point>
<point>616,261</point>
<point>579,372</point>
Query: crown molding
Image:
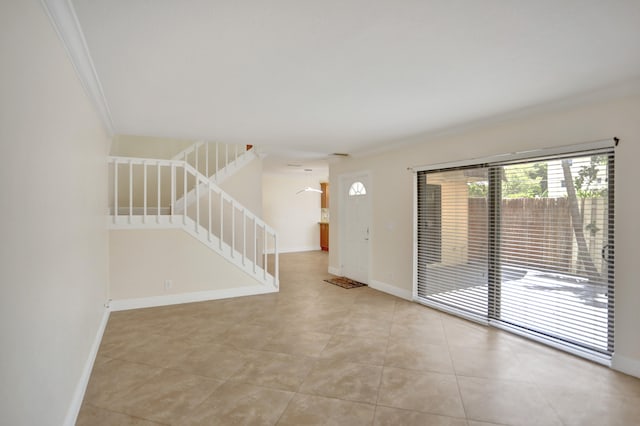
<point>627,88</point>
<point>65,21</point>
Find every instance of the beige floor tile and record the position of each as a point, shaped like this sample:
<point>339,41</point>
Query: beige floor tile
<point>274,319</point>
<point>428,392</point>
<point>215,361</point>
<point>317,410</point>
<point>215,313</point>
<point>364,326</point>
<point>308,343</point>
<point>334,300</point>
<point>364,350</point>
<point>248,336</point>
<point>372,296</point>
<point>181,325</point>
<point>325,312</point>
<point>466,334</point>
<point>507,402</point>
<point>205,331</point>
<point>425,331</point>
<point>343,380</point>
<point>153,320</point>
<point>167,397</point>
<point>158,350</point>
<point>330,344</point>
<point>386,416</point>
<point>316,325</point>
<point>547,366</point>
<point>274,370</point>
<point>492,364</point>
<point>100,360</point>
<point>111,379</point>
<point>93,416</point>
<point>117,342</point>
<point>411,311</point>
<point>618,383</point>
<point>132,320</point>
<point>234,315</point>
<point>592,408</point>
<point>236,403</point>
<point>381,311</point>
<point>412,355</point>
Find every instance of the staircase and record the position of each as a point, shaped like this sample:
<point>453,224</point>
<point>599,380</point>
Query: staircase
<point>218,161</point>
<point>159,193</point>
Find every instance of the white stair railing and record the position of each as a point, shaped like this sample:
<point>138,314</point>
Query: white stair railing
<point>146,193</point>
<point>214,159</point>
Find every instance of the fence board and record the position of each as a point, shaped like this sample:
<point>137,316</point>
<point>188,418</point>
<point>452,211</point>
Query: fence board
<point>536,233</point>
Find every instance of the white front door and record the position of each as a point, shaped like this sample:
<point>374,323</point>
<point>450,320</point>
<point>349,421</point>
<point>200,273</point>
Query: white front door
<point>356,232</point>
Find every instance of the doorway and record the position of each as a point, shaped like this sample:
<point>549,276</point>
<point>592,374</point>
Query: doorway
<point>356,229</point>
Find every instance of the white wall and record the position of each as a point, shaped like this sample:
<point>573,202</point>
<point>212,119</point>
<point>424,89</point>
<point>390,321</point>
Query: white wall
<point>245,186</point>
<point>54,250</point>
<point>141,261</point>
<point>147,146</point>
<point>392,232</point>
<point>294,216</point>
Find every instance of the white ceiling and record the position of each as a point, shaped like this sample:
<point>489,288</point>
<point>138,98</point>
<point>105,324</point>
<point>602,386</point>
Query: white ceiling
<point>347,75</point>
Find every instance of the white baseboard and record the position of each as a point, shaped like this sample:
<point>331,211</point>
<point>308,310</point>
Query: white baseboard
<point>335,271</point>
<point>81,387</point>
<point>199,296</point>
<point>391,289</point>
<point>293,249</point>
<point>299,249</point>
<point>626,365</point>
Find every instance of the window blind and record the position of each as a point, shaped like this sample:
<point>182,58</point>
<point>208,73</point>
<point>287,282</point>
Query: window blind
<point>452,243</point>
<point>526,244</point>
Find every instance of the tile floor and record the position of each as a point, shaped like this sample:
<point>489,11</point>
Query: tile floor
<point>317,354</point>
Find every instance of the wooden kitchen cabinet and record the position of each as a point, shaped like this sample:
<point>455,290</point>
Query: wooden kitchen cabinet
<point>324,216</point>
<point>324,236</point>
<point>324,197</point>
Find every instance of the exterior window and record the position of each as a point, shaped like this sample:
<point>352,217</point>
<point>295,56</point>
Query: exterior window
<point>357,188</point>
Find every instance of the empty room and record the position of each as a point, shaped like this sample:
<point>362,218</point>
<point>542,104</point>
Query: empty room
<point>320,213</point>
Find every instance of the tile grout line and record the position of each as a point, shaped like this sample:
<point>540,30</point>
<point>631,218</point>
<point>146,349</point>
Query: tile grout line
<point>549,404</point>
<point>455,373</point>
<point>386,350</point>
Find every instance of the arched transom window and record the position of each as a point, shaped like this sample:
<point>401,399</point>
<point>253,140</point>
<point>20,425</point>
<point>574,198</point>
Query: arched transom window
<point>357,188</point>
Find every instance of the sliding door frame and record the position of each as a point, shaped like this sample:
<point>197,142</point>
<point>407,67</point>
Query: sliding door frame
<point>494,201</point>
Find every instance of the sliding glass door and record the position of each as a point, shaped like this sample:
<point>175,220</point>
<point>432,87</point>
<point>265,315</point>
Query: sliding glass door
<point>526,245</point>
<point>555,252</point>
<point>452,239</point>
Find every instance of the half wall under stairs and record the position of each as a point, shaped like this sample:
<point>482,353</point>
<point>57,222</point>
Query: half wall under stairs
<point>145,194</point>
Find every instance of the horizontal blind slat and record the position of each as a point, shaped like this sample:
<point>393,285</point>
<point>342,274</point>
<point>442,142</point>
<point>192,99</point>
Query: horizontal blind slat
<point>546,269</point>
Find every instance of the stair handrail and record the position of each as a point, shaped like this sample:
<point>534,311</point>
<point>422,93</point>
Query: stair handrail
<point>202,182</point>
<point>238,151</point>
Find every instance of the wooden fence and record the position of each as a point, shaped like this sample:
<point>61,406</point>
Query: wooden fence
<point>535,233</point>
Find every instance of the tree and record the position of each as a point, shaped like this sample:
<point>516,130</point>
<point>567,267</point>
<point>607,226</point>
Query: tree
<point>518,181</point>
<point>525,181</point>
<point>478,189</point>
<point>584,257</point>
<point>587,175</point>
